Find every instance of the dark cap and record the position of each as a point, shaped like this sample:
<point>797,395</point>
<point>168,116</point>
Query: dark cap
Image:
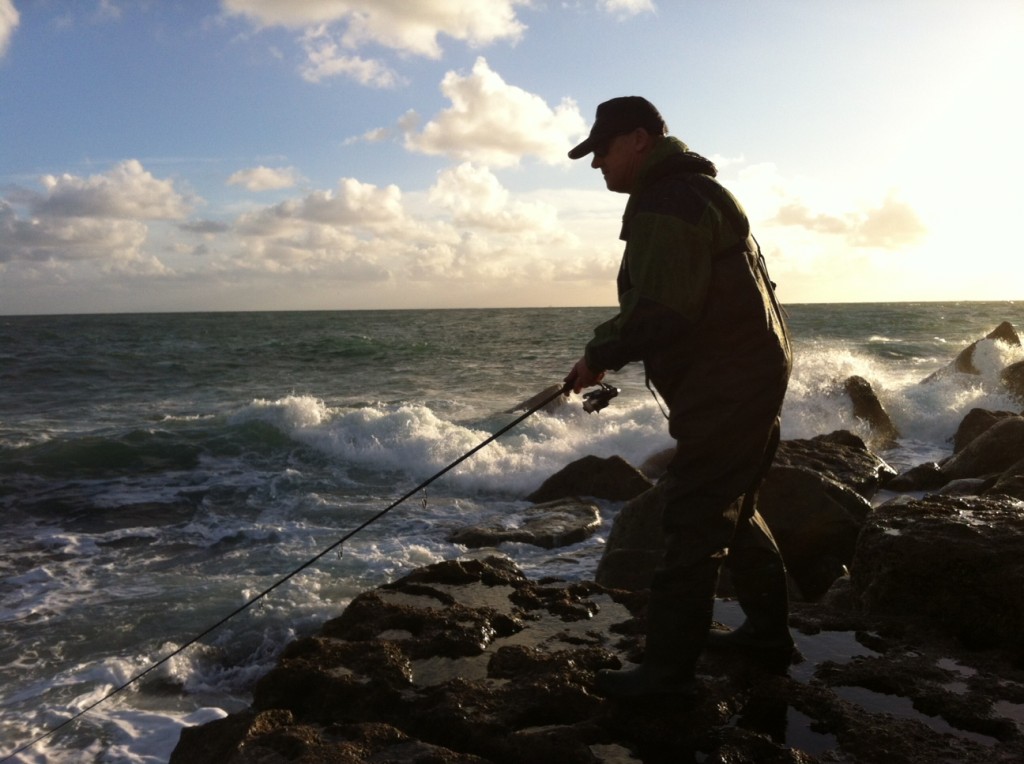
<point>617,117</point>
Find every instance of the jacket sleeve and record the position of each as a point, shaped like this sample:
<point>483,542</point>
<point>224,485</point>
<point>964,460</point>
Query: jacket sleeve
<point>667,270</point>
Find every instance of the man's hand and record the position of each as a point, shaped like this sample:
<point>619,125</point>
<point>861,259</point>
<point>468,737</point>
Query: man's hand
<point>582,376</point>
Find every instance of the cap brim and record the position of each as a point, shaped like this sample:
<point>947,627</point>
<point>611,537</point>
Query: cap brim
<point>584,148</point>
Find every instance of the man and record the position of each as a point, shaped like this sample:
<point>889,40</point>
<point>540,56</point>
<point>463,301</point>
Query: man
<point>697,307</point>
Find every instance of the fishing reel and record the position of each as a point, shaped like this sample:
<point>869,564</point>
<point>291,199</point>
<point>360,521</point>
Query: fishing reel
<point>597,399</point>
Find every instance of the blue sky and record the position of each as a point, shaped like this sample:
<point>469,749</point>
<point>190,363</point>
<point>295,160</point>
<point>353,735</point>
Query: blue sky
<point>335,154</point>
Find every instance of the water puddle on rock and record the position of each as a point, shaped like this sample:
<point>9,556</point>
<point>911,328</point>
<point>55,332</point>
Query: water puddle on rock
<point>903,708</point>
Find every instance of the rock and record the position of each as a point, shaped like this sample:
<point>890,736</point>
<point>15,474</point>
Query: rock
<point>965,487</point>
<point>612,478</point>
<point>923,477</point>
<point>550,525</point>
<point>974,424</point>
<point>656,464</point>
<point>815,522</point>
<point>839,456</point>
<point>635,545</point>
<point>868,409</point>
<point>468,662</point>
<point>814,519</point>
<point>991,453</point>
<point>1010,483</point>
<point>953,561</point>
<point>1013,378</point>
<point>964,362</point>
<point>533,401</point>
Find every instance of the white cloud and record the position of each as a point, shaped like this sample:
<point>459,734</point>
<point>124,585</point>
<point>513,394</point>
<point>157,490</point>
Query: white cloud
<point>128,191</point>
<point>96,218</point>
<point>336,29</point>
<point>625,8</point>
<point>324,59</point>
<point>891,225</point>
<point>496,124</point>
<point>476,198</point>
<point>264,178</point>
<point>9,19</point>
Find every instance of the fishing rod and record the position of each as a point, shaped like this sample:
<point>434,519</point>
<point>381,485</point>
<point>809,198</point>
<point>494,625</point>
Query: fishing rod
<point>592,401</point>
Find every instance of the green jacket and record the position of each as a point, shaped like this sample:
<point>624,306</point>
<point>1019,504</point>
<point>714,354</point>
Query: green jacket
<point>696,305</point>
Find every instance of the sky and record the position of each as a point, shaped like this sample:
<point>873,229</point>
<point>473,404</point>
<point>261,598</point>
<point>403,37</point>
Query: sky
<point>196,155</point>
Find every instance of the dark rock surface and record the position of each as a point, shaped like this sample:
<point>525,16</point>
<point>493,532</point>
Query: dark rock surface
<point>840,456</point>
<point>958,562</point>
<point>470,662</point>
<point>992,452</point>
<point>612,478</point>
<point>549,525</point>
<point>635,544</point>
<point>1013,378</point>
<point>869,409</point>
<point>974,424</point>
<point>807,501</point>
<point>815,522</point>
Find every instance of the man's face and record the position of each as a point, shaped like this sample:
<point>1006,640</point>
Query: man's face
<point>619,159</point>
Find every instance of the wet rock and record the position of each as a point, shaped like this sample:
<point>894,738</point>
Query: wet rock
<point>368,688</point>
<point>612,478</point>
<point>869,410</point>
<point>815,522</point>
<point>974,424</point>
<point>965,487</point>
<point>1010,483</point>
<point>989,454</point>
<point>1013,378</point>
<point>923,477</point>
<point>635,545</point>
<point>953,561</point>
<point>964,363</point>
<point>656,464</point>
<point>814,519</point>
<point>549,525</point>
<point>840,456</point>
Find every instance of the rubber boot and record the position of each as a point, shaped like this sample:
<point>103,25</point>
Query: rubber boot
<point>764,599</point>
<point>677,627</point>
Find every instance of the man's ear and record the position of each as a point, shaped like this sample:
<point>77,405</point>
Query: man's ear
<point>641,140</point>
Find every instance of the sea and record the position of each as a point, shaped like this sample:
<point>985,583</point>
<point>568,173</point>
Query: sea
<point>160,471</point>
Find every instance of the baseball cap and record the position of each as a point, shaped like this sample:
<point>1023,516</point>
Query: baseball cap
<point>619,116</point>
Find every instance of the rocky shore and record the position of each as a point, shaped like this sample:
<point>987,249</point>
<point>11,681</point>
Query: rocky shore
<point>907,608</point>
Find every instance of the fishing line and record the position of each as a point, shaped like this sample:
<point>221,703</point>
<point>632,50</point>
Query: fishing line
<point>564,390</point>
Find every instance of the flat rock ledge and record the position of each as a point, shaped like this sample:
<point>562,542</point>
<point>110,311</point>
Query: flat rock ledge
<point>468,661</point>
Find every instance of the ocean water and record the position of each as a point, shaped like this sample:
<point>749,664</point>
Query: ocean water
<point>159,471</point>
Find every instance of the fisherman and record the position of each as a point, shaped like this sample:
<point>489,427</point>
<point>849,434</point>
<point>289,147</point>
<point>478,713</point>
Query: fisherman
<point>697,308</point>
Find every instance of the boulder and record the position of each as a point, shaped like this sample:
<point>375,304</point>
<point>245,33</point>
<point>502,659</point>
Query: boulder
<point>974,424</point>
<point>815,521</point>
<point>612,478</point>
<point>989,454</point>
<point>549,525</point>
<point>1013,378</point>
<point>840,456</point>
<point>1009,483</point>
<point>656,465</point>
<point>635,545</point>
<point>964,362</point>
<point>923,477</point>
<point>868,409</point>
<point>955,562</point>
